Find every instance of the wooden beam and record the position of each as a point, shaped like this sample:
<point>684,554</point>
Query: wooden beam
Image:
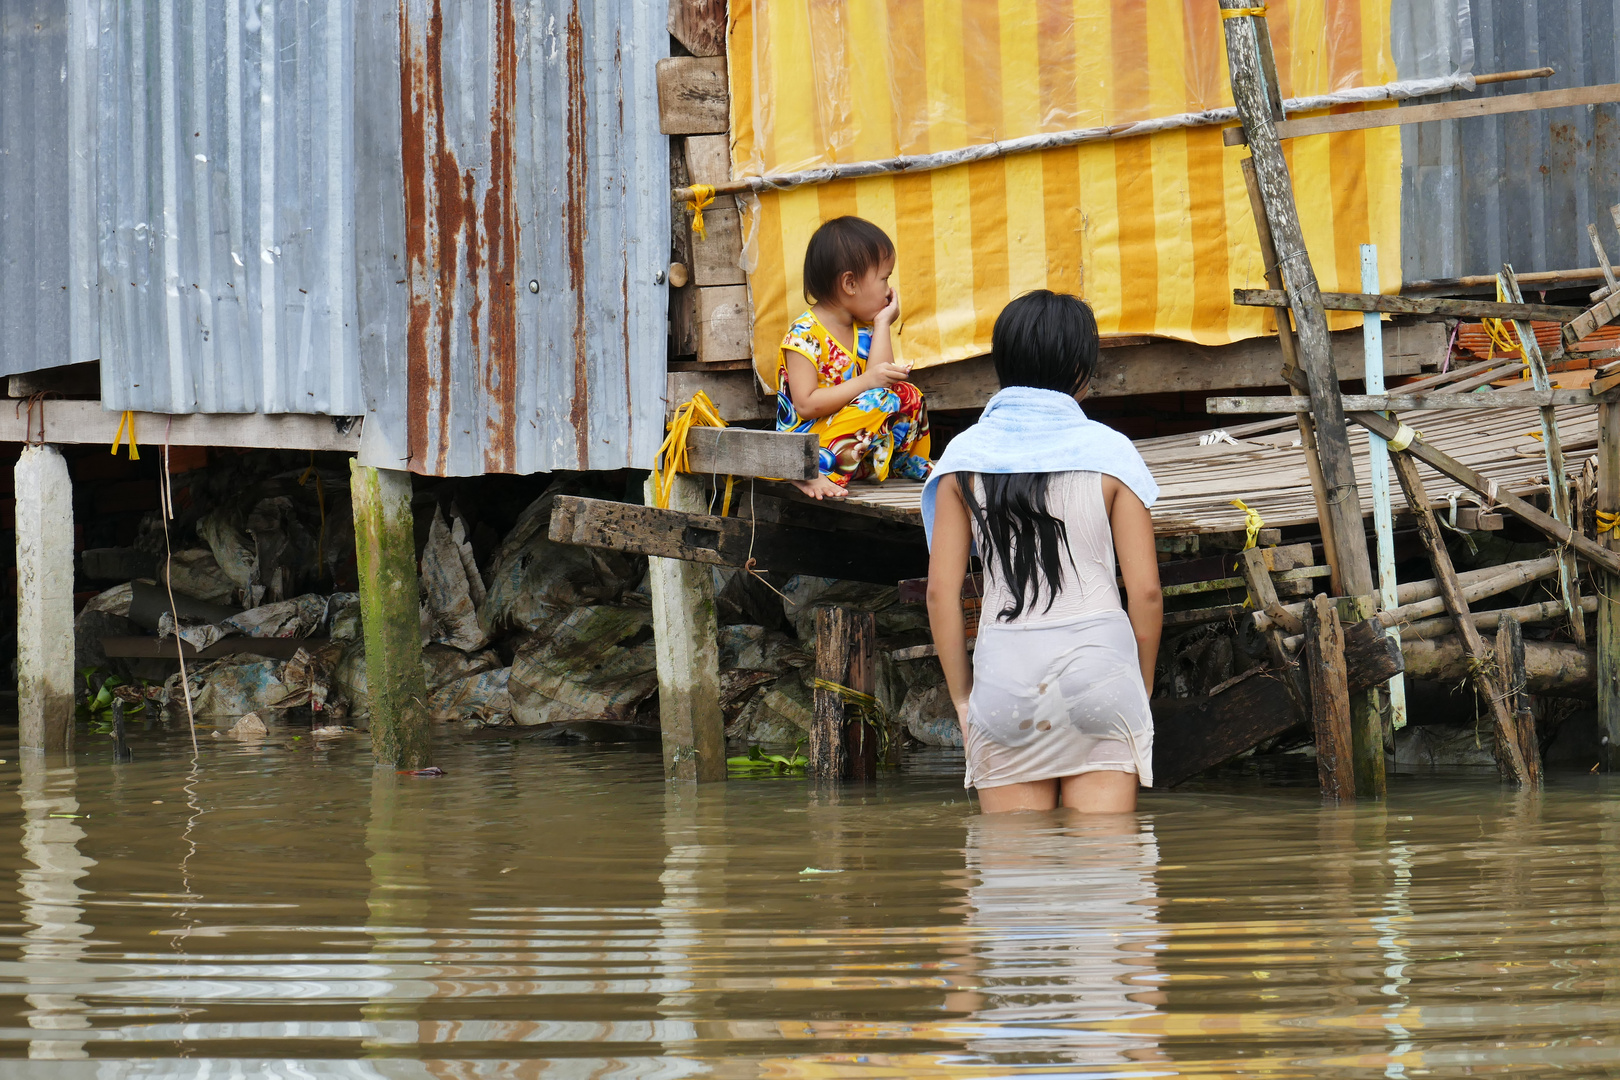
<point>1558,668</point>
<point>717,256</point>
<point>1448,466</point>
<point>734,451</point>
<point>699,25</point>
<point>1587,322</point>
<point>1485,676</point>
<point>88,422</point>
<point>694,97</point>
<point>1444,110</point>
<point>1510,662</point>
<point>1330,700</point>
<point>1398,402</point>
<point>1415,306</point>
<point>1152,367</point>
<point>733,541</point>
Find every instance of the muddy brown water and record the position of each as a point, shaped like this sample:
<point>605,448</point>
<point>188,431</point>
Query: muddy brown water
<point>282,910</point>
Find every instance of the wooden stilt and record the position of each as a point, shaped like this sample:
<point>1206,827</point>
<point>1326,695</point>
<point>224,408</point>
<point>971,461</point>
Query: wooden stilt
<point>1253,98</point>
<point>1515,675</point>
<point>1366,721</point>
<point>1608,611</point>
<point>1291,372</point>
<point>1509,759</point>
<point>385,549</point>
<point>1263,595</point>
<point>686,640</point>
<point>1553,449</point>
<point>45,678</point>
<point>1330,699</point>
<point>842,744</point>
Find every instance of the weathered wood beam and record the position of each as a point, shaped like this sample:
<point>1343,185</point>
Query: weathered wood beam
<point>1143,367</point>
<point>1499,399</point>
<point>88,422</point>
<point>843,746</point>
<point>733,541</point>
<point>1483,671</point>
<point>694,96</point>
<point>1330,700</point>
<point>734,451</point>
<point>1602,313</point>
<point>699,25</point>
<point>1445,110</point>
<point>1558,668</point>
<point>1249,94</point>
<point>1414,306</point>
<point>1526,614</point>
<point>1448,466</point>
<point>1510,661</point>
<point>1417,599</point>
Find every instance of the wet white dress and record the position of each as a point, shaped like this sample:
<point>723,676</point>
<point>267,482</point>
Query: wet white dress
<point>1058,691</point>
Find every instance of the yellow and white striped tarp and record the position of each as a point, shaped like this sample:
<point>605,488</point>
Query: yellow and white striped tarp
<point>1153,231</point>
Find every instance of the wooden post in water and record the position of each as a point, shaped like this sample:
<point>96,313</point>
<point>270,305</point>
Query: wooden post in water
<point>842,745</point>
<point>390,619</point>
<point>686,642</point>
<point>1255,96</point>
<point>1330,699</point>
<point>1366,721</point>
<point>45,677</point>
<point>1515,676</point>
<point>1608,610</point>
<point>1482,666</point>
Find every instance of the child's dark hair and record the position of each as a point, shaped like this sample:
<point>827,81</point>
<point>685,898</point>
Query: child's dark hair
<point>1049,341</point>
<point>844,244</point>
<point>1046,340</point>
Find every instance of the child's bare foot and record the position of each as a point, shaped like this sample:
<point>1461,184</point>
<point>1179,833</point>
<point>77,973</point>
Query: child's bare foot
<point>819,488</point>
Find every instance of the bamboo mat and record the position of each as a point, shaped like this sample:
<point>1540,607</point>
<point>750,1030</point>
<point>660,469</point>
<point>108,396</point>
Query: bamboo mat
<point>1265,467</point>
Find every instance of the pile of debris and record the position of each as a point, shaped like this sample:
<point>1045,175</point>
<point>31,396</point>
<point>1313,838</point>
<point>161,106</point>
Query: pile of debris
<point>519,631</point>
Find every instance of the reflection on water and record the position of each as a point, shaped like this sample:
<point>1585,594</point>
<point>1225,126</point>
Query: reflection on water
<point>557,912</point>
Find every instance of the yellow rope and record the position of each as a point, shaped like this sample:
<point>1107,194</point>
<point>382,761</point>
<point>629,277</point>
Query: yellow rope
<point>702,196</point>
<point>1238,13</point>
<point>1497,331</point>
<point>127,421</point>
<point>1607,522</point>
<point>1252,521</point>
<point>671,459</point>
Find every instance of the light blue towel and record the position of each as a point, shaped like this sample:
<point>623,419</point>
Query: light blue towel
<point>1027,430</point>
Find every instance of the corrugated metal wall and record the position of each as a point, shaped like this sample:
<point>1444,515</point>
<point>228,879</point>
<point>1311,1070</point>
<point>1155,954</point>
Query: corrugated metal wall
<point>451,218</point>
<point>1519,188</point>
<point>220,183</point>
<point>33,195</point>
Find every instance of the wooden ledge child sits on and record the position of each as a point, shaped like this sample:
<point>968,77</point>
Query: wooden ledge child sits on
<point>836,375</point>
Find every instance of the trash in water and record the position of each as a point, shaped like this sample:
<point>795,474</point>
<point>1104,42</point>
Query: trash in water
<point>430,771</point>
<point>815,870</point>
<point>249,727</point>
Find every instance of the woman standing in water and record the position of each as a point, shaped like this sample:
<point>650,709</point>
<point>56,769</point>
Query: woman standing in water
<point>1054,704</point>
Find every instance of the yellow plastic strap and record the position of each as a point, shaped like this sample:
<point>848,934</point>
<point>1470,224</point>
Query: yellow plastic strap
<point>1403,438</point>
<point>1607,522</point>
<point>1238,13</point>
<point>671,459</point>
<point>725,504</point>
<point>1252,521</point>
<point>702,195</point>
<point>126,423</point>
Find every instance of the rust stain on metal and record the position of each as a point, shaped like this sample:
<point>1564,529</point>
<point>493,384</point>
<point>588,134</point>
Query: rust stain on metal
<point>575,231</point>
<point>454,252</point>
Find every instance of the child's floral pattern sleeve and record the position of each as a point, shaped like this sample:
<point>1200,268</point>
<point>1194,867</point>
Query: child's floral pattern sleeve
<point>802,338</point>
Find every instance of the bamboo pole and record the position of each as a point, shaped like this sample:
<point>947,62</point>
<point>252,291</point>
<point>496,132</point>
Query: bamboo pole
<point>1304,295</point>
<point>1482,668</point>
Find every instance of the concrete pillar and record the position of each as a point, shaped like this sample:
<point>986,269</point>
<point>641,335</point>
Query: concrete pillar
<point>401,735</point>
<point>686,641</point>
<point>45,676</point>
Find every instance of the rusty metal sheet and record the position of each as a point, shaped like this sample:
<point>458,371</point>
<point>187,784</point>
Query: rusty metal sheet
<point>535,234</point>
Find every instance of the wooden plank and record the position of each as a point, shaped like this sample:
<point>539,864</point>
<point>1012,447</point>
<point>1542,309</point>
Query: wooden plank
<point>687,651</point>
<point>1587,322</point>
<point>1484,674</point>
<point>1330,700</point>
<point>1416,306</point>
<point>861,738</point>
<point>717,257</point>
<point>1194,734</point>
<point>1157,366</point>
<point>1450,467</point>
<point>725,327</point>
<point>699,25</point>
<point>1510,662</point>
<point>732,541</point>
<point>708,161</point>
<point>1366,721</point>
<point>693,95</point>
<point>1398,402</point>
<point>734,451</point>
<point>88,422</point>
<point>1445,110</point>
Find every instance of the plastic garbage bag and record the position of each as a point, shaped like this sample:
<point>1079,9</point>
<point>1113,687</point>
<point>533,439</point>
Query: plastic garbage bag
<point>451,584</point>
<point>233,686</point>
<point>484,696</point>
<point>295,618</point>
<point>442,665</point>
<point>199,635</point>
<point>234,552</point>
<point>343,617</point>
<point>597,665</point>
<point>197,573</point>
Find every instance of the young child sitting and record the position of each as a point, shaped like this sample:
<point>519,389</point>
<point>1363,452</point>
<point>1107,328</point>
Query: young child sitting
<point>836,374</point>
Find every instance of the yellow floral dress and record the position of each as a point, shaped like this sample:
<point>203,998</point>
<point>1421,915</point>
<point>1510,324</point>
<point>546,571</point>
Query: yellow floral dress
<point>882,432</point>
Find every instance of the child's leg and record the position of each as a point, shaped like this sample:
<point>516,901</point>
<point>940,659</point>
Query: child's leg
<point>911,438</point>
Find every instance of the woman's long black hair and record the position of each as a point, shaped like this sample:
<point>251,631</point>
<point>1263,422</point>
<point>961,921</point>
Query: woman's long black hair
<point>1046,340</point>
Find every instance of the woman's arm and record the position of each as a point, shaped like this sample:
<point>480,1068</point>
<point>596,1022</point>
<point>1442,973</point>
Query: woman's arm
<point>947,568</point>
<point>1139,566</point>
